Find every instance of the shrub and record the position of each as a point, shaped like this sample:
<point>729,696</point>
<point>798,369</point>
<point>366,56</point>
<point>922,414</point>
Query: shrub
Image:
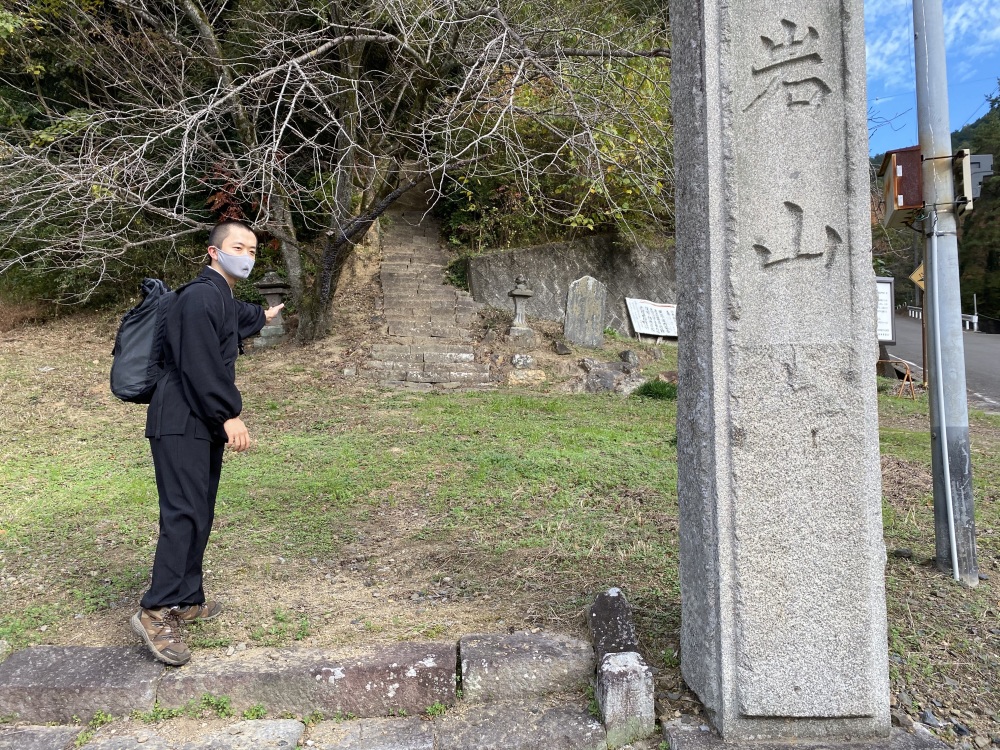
<point>657,389</point>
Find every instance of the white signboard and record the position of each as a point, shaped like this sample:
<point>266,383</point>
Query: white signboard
<point>886,320</point>
<point>652,318</point>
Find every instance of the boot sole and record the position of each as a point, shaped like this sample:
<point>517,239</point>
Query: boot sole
<point>141,632</point>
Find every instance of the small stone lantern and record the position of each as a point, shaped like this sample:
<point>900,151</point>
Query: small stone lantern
<point>273,289</point>
<point>520,334</point>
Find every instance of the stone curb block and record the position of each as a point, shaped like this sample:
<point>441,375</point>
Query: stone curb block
<point>497,667</point>
<point>520,726</point>
<point>374,734</point>
<point>38,738</point>
<point>247,735</point>
<point>693,737</point>
<point>625,696</point>
<point>406,677</point>
<point>58,683</point>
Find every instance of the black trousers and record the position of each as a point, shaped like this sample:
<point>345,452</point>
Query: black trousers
<point>187,480</point>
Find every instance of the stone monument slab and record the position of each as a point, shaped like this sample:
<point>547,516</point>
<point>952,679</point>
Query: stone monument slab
<point>783,625</point>
<point>56,683</point>
<point>586,310</point>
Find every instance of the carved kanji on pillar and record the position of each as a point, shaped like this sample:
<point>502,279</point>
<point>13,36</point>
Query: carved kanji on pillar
<point>793,68</point>
<point>805,241</point>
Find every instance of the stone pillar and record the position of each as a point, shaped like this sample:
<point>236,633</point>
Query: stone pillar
<point>782,558</point>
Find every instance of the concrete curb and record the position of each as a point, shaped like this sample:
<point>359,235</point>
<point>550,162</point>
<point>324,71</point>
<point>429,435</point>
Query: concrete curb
<point>503,678</point>
<point>46,684</point>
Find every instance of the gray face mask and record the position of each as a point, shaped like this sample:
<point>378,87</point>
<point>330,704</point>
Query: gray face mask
<point>237,266</point>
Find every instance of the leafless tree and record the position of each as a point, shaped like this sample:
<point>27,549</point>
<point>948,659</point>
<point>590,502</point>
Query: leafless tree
<point>311,118</point>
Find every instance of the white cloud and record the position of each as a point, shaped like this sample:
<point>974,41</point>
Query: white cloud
<point>972,31</point>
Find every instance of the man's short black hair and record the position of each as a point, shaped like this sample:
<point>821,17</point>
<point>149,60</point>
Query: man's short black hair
<point>221,230</point>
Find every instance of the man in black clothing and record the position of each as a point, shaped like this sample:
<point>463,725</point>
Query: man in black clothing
<point>194,414</point>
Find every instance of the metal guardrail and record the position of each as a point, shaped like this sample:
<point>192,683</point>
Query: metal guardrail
<point>969,322</point>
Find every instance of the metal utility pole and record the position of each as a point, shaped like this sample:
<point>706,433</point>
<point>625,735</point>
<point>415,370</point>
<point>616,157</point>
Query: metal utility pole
<point>954,505</point>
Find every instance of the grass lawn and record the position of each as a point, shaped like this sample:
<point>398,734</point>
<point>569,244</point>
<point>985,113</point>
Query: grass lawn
<point>363,516</point>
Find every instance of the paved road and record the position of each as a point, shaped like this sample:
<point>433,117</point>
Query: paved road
<point>982,360</point>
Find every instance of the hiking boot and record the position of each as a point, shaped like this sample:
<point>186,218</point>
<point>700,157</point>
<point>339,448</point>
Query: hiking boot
<point>158,628</point>
<point>197,612</point>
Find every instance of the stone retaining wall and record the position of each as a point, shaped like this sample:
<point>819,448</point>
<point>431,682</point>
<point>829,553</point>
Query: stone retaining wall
<point>627,271</point>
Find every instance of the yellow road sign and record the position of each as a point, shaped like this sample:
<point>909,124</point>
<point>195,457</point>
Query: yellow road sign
<point>917,277</point>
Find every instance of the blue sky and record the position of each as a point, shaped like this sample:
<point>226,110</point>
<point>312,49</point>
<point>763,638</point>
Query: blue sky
<point>972,41</point>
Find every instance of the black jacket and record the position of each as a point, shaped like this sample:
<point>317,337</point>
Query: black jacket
<point>204,328</point>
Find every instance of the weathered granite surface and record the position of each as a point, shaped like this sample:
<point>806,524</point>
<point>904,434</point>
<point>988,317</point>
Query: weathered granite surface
<point>611,624</point>
<point>626,698</point>
<point>56,683</point>
<point>783,627</point>
<point>690,737</point>
<point>405,677</point>
<point>413,733</point>
<point>505,726</point>
<point>496,667</point>
<point>38,738</point>
<point>280,734</point>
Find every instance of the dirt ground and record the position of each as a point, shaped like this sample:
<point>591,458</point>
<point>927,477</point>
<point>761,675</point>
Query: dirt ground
<point>944,640</point>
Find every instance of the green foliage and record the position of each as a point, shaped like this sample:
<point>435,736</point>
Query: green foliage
<point>482,212</point>
<point>983,135</point>
<point>657,389</point>
<point>282,630</point>
<point>313,718</point>
<point>592,708</point>
<point>157,714</point>
<point>436,709</point>
<point>220,705</point>
<point>457,273</point>
<point>256,711</point>
<point>979,252</point>
<point>100,719</point>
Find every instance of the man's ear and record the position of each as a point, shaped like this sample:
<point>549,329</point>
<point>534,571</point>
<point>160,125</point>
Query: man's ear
<point>212,256</point>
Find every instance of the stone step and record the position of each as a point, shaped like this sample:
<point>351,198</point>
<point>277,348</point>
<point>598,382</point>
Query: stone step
<point>446,375</point>
<point>436,347</point>
<point>392,351</point>
<point>246,735</point>
<point>502,726</point>
<point>466,368</point>
<point>385,367</point>
<point>38,737</point>
<point>440,358</point>
<point>443,332</point>
<point>57,683</point>
<point>403,677</point>
<point>508,726</point>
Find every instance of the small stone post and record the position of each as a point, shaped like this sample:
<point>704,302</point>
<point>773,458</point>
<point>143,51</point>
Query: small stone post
<point>273,289</point>
<point>783,631</point>
<point>520,334</point>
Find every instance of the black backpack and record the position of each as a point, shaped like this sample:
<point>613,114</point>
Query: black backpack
<point>138,362</point>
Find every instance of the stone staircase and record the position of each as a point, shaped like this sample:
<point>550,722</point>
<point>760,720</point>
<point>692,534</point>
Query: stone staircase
<point>428,344</point>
